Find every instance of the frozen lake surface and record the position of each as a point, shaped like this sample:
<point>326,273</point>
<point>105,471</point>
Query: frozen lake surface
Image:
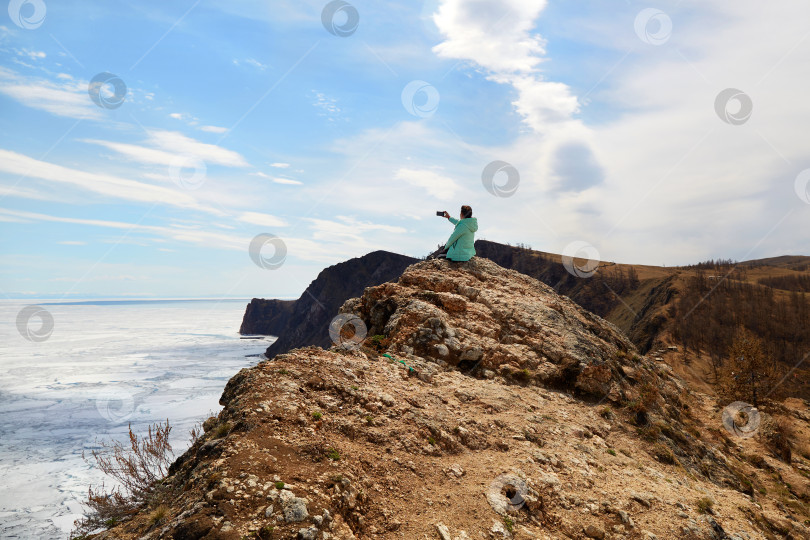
<point>105,364</point>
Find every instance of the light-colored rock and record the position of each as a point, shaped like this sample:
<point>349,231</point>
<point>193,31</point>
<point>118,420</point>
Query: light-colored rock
<point>444,532</point>
<point>498,530</point>
<point>594,531</point>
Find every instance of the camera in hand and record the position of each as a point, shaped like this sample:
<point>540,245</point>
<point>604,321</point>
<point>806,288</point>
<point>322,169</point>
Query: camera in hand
<point>440,213</point>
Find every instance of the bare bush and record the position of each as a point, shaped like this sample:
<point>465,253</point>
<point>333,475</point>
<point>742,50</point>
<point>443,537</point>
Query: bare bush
<point>779,437</point>
<point>138,469</point>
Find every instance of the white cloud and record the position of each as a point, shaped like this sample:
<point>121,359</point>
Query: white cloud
<point>213,129</point>
<point>277,179</point>
<point>68,99</point>
<point>350,235</point>
<point>497,36</point>
<point>103,184</point>
<point>280,165</point>
<point>266,220</point>
<point>494,34</point>
<point>326,104</point>
<point>252,62</point>
<point>436,185</point>
<point>164,147</point>
<point>25,192</point>
<point>301,248</point>
<point>660,179</point>
<point>33,55</point>
<point>198,236</point>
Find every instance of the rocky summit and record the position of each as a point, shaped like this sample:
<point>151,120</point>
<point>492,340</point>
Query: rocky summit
<point>486,320</point>
<point>479,404</point>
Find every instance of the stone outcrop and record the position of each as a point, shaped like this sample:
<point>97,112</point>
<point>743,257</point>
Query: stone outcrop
<point>480,405</point>
<point>484,319</point>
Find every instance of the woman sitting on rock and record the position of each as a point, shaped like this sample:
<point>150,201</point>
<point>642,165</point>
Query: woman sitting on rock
<point>460,244</point>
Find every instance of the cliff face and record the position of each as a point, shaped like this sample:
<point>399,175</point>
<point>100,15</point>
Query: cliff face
<point>266,317</point>
<point>308,321</point>
<point>301,324</point>
<point>502,410</point>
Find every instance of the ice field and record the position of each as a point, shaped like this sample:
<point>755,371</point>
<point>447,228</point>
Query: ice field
<point>103,366</point>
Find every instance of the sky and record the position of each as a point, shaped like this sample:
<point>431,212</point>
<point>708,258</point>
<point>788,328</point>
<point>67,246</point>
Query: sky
<point>235,149</point>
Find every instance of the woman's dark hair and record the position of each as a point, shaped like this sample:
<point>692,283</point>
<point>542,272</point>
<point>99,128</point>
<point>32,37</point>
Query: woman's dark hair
<point>466,211</point>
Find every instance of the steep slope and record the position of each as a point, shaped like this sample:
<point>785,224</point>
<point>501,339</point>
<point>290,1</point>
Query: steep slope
<point>308,322</point>
<point>267,317</point>
<point>488,419</point>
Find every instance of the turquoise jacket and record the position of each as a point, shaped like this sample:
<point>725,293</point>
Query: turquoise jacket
<point>460,244</point>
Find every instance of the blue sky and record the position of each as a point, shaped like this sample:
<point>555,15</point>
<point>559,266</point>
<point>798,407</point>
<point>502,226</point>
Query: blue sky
<point>247,118</point>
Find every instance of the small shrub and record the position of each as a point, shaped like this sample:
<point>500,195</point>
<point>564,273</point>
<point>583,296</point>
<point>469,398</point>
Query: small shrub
<point>673,433</point>
<point>369,420</point>
<point>606,413</point>
<point>705,505</point>
<point>158,515</point>
<point>649,433</point>
<point>379,342</point>
<point>509,524</point>
<point>611,451</point>
<point>779,437</point>
<point>317,415</point>
<point>213,480</point>
<point>222,430</point>
<point>431,440</point>
<point>333,454</point>
<point>282,371</point>
<point>279,485</point>
<point>756,460</point>
<point>647,401</point>
<point>196,432</point>
<point>522,375</point>
<point>663,454</point>
<point>355,387</point>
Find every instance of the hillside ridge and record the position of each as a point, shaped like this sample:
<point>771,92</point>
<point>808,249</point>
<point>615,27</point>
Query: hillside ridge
<point>654,306</point>
<point>476,403</point>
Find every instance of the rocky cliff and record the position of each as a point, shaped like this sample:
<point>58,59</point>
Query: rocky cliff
<point>481,405</point>
<point>309,316</point>
<point>267,317</point>
<point>346,280</point>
